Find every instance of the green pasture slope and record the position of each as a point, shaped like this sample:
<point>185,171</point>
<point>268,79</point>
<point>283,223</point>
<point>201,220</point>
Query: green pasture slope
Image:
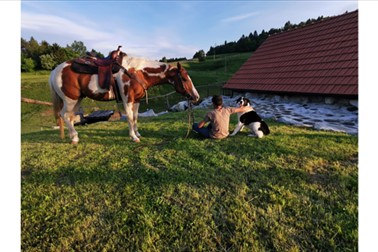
<point>294,190</point>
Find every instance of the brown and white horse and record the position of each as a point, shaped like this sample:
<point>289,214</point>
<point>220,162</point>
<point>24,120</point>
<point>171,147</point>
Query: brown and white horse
<point>68,88</point>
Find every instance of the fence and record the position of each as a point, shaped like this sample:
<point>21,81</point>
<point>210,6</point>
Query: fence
<point>158,103</point>
<point>165,102</point>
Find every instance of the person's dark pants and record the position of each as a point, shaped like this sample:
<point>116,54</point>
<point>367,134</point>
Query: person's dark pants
<point>204,131</point>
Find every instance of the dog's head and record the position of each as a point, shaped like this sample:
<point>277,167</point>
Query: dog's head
<point>242,101</point>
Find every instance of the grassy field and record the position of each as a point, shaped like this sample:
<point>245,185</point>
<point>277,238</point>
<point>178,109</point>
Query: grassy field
<point>294,190</point>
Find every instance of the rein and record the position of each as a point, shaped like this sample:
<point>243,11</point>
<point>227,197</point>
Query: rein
<point>190,118</point>
<point>145,91</point>
<point>190,110</point>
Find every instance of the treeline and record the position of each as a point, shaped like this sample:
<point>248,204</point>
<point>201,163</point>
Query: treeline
<point>251,42</point>
<point>164,59</point>
<point>43,56</point>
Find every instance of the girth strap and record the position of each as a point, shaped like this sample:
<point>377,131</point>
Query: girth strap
<point>117,94</point>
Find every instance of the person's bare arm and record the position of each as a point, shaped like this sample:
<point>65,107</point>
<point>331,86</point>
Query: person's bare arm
<point>243,109</point>
<point>201,124</point>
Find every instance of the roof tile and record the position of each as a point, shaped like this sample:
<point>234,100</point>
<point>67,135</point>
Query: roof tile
<point>321,58</point>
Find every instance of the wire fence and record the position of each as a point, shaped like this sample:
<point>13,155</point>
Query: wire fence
<point>159,102</point>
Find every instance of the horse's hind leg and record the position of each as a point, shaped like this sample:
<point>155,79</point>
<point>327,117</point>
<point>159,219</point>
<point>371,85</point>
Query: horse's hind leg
<point>130,121</point>
<point>135,118</point>
<point>68,116</point>
<point>61,127</point>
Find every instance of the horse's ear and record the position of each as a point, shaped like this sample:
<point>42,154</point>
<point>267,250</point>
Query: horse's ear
<point>179,66</point>
<point>172,72</point>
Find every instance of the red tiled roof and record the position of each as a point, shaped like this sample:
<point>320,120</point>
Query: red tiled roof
<point>321,58</point>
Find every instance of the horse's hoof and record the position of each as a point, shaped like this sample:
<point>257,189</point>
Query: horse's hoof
<point>75,142</point>
<point>135,140</point>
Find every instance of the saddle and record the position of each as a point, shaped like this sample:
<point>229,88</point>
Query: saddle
<point>103,67</point>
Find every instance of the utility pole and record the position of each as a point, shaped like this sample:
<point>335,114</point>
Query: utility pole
<point>215,45</point>
<point>225,64</point>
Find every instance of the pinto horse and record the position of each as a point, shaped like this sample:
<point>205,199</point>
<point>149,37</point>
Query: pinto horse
<point>134,77</point>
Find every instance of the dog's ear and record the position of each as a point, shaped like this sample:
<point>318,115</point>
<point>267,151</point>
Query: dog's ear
<point>247,101</point>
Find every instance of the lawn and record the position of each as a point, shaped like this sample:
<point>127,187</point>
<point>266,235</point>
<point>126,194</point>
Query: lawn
<point>294,190</point>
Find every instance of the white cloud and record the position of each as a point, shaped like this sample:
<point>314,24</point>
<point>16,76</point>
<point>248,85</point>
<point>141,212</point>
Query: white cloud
<point>49,24</point>
<point>239,17</point>
<point>141,43</point>
<point>158,46</point>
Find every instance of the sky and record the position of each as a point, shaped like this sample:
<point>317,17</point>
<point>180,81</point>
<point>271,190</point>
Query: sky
<point>157,29</point>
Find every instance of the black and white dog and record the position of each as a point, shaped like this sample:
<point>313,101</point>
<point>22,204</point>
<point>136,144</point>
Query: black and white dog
<point>251,120</point>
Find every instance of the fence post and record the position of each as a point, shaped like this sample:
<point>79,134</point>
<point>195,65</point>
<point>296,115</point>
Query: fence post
<point>167,102</point>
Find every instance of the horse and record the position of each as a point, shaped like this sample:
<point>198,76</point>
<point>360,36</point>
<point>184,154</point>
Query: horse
<point>133,77</point>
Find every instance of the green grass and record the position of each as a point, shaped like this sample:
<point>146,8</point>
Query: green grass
<point>294,190</point>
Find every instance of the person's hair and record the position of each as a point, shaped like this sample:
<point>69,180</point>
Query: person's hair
<point>217,100</point>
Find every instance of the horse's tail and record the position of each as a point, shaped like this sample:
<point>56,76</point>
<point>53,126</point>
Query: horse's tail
<point>56,101</point>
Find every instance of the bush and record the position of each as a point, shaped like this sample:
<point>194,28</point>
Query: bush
<point>47,61</point>
<point>27,65</point>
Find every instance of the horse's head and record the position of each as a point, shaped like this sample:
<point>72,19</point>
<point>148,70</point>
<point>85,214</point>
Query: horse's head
<point>180,79</point>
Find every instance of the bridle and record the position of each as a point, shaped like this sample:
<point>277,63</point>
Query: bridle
<point>187,95</point>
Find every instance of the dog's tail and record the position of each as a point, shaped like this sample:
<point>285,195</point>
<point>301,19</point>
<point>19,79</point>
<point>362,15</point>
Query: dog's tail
<point>264,127</point>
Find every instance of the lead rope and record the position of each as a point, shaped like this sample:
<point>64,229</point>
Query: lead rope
<point>145,90</point>
<point>190,118</point>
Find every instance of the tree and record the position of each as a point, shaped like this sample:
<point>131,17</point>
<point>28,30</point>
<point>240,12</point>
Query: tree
<point>27,65</point>
<point>77,48</point>
<point>200,55</point>
<point>96,54</point>
<point>32,50</point>
<point>164,59</point>
<point>44,48</point>
<point>287,26</point>
<point>47,61</point>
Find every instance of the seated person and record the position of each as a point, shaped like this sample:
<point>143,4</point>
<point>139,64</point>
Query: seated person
<point>218,120</point>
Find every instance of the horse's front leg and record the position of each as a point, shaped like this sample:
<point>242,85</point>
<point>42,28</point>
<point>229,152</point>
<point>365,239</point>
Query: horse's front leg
<point>135,118</point>
<point>130,121</point>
